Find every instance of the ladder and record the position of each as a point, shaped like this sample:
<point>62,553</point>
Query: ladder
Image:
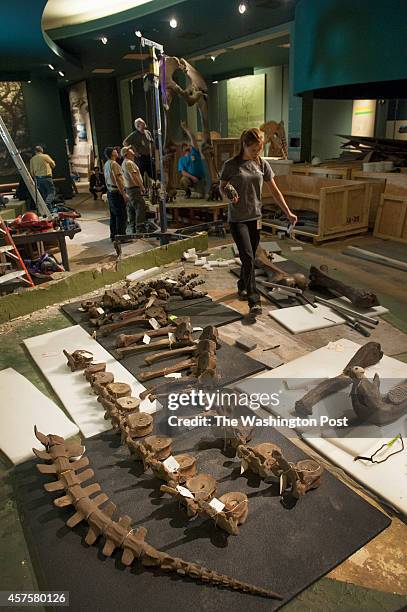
<point>9,249</point>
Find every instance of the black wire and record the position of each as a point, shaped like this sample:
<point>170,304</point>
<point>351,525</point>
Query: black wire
<point>371,458</point>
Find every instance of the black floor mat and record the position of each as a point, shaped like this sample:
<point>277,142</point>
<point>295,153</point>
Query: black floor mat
<point>232,363</point>
<point>282,549</point>
<point>203,311</point>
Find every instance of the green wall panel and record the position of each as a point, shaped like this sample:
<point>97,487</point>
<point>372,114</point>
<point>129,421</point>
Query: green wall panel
<point>342,42</point>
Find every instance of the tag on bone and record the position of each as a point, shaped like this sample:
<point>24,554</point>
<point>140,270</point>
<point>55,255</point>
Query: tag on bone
<point>100,310</point>
<point>154,323</point>
<point>146,339</point>
<point>216,504</point>
<point>184,492</point>
<point>171,464</point>
<point>173,375</point>
<point>282,484</point>
<point>243,466</point>
<point>126,296</point>
<point>171,338</point>
<point>172,281</point>
<point>81,309</point>
<point>194,329</point>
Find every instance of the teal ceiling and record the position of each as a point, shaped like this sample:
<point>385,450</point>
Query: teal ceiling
<point>203,25</point>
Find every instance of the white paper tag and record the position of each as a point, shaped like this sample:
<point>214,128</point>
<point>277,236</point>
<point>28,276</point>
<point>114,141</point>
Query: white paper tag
<point>243,466</point>
<point>281,484</point>
<point>171,338</point>
<point>171,464</point>
<point>184,492</point>
<point>81,309</point>
<point>154,323</point>
<point>100,310</point>
<point>216,504</point>
<point>172,281</point>
<point>173,375</point>
<point>146,339</point>
<point>126,296</point>
<point>197,329</point>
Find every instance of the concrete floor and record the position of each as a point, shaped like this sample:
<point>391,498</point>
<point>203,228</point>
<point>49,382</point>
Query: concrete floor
<point>375,577</point>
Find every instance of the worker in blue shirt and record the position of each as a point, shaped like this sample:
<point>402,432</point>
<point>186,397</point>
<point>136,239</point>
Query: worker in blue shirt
<point>190,165</point>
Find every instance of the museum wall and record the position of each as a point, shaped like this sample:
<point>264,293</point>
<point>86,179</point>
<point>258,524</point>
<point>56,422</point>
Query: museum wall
<point>330,117</point>
<point>104,113</point>
<point>340,42</point>
<point>46,125</point>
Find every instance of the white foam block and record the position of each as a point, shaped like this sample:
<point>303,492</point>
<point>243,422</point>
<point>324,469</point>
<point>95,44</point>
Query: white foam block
<point>305,318</point>
<point>139,274</point>
<point>72,388</point>
<point>24,406</point>
<point>387,480</point>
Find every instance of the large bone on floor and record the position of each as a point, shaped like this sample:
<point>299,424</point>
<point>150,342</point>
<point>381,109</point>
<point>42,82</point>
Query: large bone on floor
<point>368,354</point>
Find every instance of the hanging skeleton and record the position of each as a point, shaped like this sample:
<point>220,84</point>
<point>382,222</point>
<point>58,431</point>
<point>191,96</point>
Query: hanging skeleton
<point>196,92</point>
<point>276,139</point>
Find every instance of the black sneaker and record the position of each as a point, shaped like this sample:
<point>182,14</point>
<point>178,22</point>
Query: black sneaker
<point>242,293</point>
<point>256,309</point>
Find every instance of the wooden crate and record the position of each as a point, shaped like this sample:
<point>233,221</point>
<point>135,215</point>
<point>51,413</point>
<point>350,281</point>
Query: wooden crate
<point>391,220</point>
<point>224,149</point>
<point>342,206</point>
<point>328,169</point>
<point>305,170</point>
<point>378,181</point>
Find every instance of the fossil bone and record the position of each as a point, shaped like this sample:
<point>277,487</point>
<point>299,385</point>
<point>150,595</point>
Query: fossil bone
<point>118,534</point>
<point>367,355</point>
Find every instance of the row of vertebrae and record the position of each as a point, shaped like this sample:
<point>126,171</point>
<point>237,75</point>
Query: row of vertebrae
<point>267,461</point>
<point>135,428</point>
<point>64,460</point>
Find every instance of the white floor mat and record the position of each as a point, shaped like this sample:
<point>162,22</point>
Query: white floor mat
<point>72,388</point>
<point>22,407</point>
<point>388,480</point>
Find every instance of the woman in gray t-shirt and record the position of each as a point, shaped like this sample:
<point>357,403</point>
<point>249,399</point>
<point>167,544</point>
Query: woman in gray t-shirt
<point>241,181</point>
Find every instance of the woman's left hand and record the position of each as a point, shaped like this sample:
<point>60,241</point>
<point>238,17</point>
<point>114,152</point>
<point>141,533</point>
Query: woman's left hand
<point>292,218</point>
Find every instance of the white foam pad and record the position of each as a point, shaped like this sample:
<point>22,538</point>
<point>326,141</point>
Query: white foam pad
<point>24,406</point>
<point>72,388</point>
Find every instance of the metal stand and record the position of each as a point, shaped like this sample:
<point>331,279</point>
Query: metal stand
<point>22,168</point>
<point>160,232</point>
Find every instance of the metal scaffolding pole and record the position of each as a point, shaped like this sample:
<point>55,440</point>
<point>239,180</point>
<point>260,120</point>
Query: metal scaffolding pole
<point>22,168</point>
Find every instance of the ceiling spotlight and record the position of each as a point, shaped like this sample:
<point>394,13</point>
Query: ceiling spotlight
<point>28,82</point>
<point>173,23</point>
<point>213,57</point>
<point>51,66</point>
<point>214,82</point>
<point>242,8</point>
<point>61,73</point>
<point>103,40</point>
<point>138,33</point>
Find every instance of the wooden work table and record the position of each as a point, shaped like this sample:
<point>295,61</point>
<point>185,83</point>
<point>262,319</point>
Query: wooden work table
<point>27,239</point>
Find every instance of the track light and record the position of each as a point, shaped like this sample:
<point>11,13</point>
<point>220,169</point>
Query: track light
<point>215,82</point>
<point>103,40</point>
<point>51,66</point>
<point>61,73</point>
<point>138,33</point>
<point>173,23</point>
<point>242,8</point>
<point>213,57</point>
